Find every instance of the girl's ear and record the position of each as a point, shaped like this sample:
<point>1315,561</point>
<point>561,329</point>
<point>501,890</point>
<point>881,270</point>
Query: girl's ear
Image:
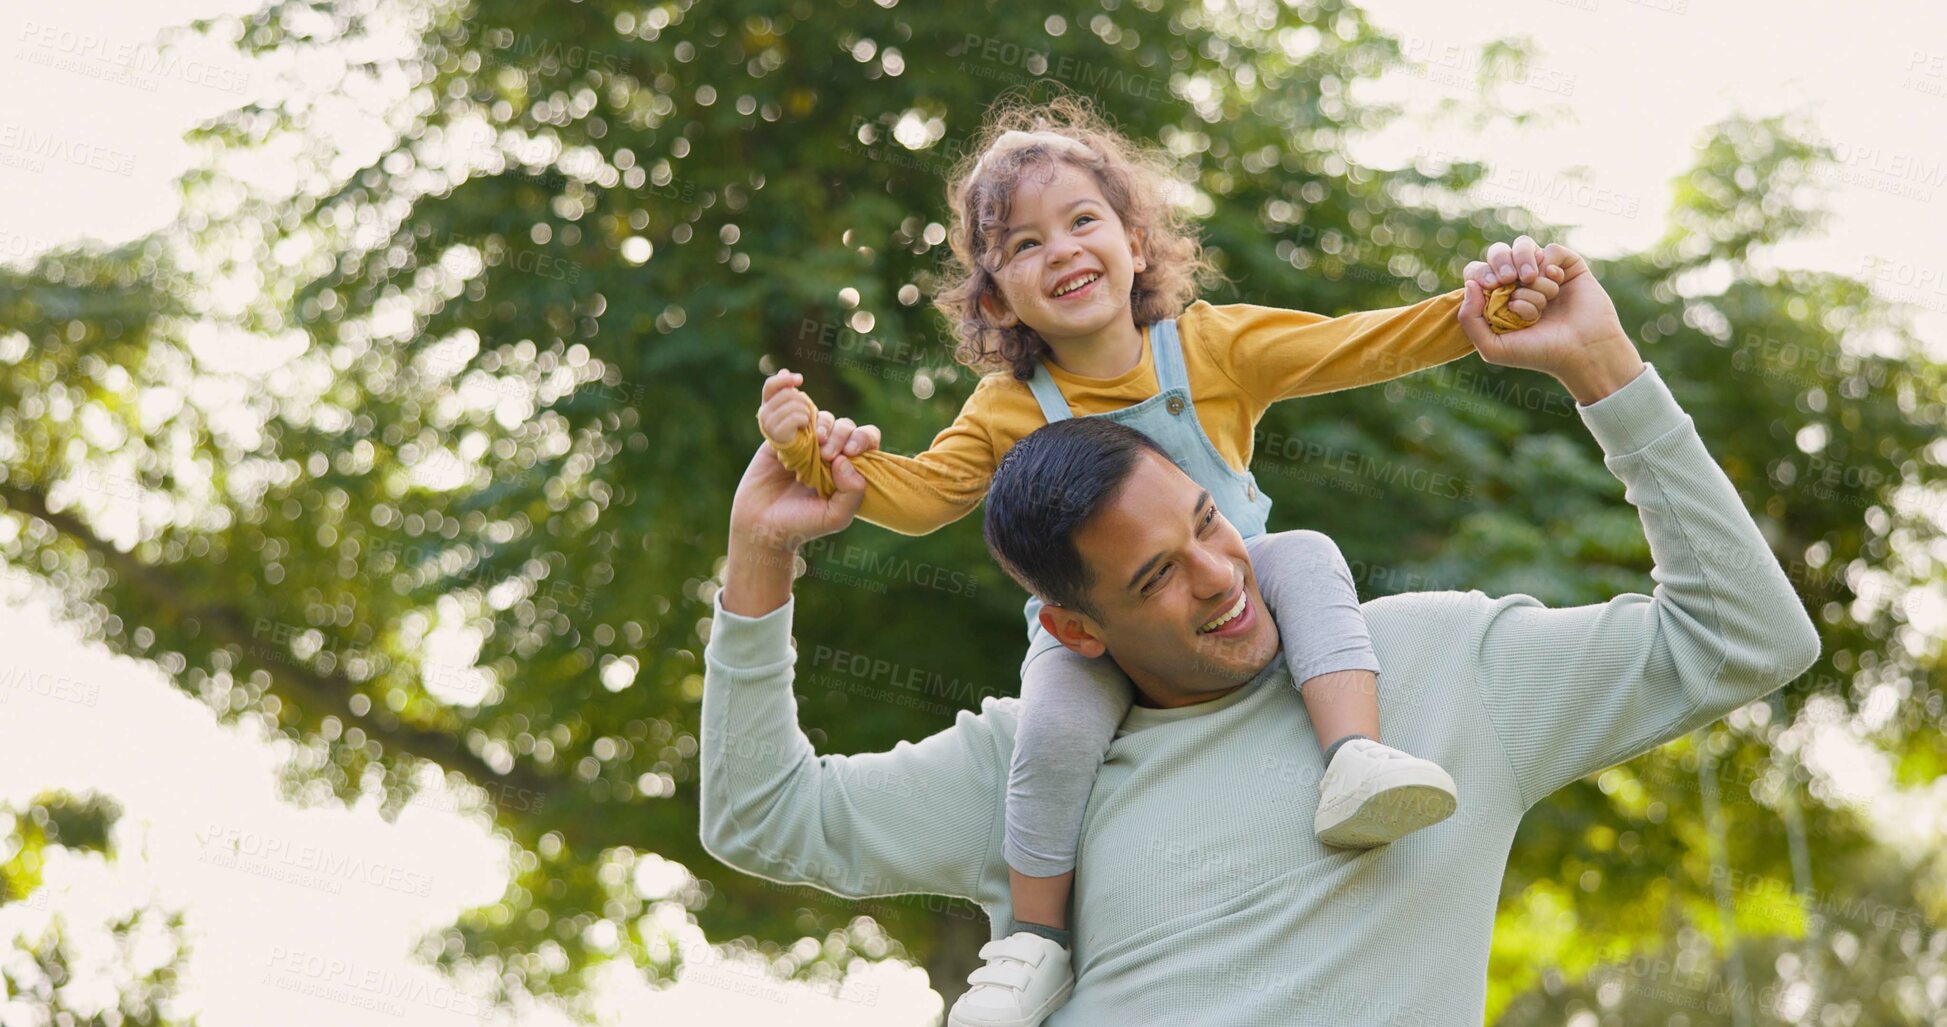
<point>996,310</point>
<point>1136,251</point>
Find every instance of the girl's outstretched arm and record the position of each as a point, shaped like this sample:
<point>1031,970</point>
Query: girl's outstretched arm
<point>1273,354</point>
<point>912,495</point>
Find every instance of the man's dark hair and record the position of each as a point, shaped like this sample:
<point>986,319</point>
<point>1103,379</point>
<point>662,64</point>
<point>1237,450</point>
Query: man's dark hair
<point>1046,489</point>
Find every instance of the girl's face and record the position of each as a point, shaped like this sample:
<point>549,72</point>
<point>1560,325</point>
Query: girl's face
<point>1061,232</point>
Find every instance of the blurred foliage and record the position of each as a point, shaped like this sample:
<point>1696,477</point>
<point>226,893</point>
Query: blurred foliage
<point>120,973</point>
<point>505,362</point>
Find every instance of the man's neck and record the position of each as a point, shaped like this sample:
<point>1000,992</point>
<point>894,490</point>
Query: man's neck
<point>1153,694</point>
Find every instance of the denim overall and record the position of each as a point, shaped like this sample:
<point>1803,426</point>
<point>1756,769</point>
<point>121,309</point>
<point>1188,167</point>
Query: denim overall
<point>1170,418</point>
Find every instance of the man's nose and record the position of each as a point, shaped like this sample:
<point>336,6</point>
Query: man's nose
<point>1211,575</point>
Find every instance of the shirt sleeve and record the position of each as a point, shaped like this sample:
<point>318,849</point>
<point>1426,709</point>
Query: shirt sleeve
<point>1572,691</point>
<point>922,818</point>
<point>1272,354</point>
<point>912,495</point>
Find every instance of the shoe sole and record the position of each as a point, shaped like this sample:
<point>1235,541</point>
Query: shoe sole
<point>1054,1002</point>
<point>1393,812</point>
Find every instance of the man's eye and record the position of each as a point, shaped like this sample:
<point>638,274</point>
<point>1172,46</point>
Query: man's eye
<point>1209,518</point>
<point>1157,581</point>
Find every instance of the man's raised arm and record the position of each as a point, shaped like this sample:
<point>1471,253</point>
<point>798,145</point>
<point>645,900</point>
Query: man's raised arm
<point>1571,691</point>
<point>920,818</point>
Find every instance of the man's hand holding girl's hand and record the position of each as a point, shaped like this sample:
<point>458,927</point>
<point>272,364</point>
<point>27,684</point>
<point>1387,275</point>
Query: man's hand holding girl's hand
<point>1531,279</point>
<point>816,448</point>
<point>1581,342</point>
<point>774,513</point>
<point>784,411</point>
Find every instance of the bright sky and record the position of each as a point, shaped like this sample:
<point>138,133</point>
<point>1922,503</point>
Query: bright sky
<point>90,149</point>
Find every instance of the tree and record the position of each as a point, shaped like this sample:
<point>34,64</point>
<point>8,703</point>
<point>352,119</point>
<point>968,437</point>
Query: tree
<point>521,343</point>
<point>60,972</point>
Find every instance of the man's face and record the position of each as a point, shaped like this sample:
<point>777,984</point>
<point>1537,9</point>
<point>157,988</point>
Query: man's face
<point>1165,567</point>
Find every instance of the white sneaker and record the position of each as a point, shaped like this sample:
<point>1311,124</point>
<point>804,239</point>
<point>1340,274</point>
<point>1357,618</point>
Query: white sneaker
<point>1026,977</point>
<point>1373,794</point>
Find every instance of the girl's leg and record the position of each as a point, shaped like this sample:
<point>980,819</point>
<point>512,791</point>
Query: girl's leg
<point>1070,706</point>
<point>1309,590</point>
<point>1369,793</point>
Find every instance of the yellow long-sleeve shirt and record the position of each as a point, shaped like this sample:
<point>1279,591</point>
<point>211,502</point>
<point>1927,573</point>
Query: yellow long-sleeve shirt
<point>1240,359</point>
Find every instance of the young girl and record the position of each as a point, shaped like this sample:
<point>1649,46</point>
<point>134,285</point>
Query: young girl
<point>1074,273</point>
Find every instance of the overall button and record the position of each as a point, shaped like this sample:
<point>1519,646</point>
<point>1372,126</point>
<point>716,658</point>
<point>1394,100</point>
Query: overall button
<point>1251,491</point>
<point>1175,404</point>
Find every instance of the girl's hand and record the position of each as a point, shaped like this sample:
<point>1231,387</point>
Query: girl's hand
<point>1582,343</point>
<point>1504,264</point>
<point>784,411</point>
<point>840,436</point>
<point>1538,272</point>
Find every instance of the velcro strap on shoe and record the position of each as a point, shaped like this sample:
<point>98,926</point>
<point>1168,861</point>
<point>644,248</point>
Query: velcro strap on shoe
<point>1022,945</point>
<point>1009,975</point>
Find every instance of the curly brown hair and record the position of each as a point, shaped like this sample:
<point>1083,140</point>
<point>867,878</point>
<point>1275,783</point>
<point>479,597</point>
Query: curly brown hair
<point>1134,179</point>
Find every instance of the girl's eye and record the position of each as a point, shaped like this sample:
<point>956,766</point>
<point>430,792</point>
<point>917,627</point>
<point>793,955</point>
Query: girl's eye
<point>1078,219</point>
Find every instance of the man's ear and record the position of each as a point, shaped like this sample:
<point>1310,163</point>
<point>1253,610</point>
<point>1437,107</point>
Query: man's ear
<point>997,311</point>
<point>1072,630</point>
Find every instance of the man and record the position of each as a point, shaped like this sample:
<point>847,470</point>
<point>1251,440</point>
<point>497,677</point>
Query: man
<point>1201,895</point>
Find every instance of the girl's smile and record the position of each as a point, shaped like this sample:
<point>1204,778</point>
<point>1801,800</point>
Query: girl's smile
<point>1063,231</point>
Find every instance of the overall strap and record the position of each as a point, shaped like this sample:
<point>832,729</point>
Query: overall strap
<point>1170,372</point>
<point>1048,394</point>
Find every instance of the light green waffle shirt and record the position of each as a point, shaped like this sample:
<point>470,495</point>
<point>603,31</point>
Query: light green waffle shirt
<point>1200,894</point>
